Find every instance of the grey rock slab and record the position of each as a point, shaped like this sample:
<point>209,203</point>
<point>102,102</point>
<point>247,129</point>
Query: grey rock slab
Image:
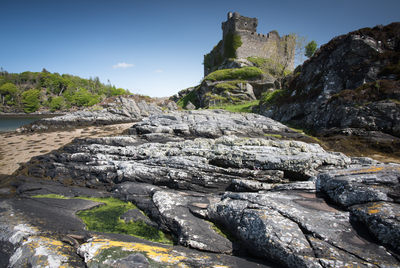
<point>26,242</point>
<point>265,232</point>
<point>209,123</point>
<point>201,164</point>
<point>190,230</point>
<point>382,220</point>
<point>353,186</point>
<point>304,215</point>
<point>136,260</point>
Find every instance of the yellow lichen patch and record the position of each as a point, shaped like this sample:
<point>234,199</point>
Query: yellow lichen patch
<point>368,170</point>
<point>374,208</point>
<point>51,252</point>
<point>158,254</point>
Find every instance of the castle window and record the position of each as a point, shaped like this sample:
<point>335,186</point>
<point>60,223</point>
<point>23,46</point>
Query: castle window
<point>245,24</point>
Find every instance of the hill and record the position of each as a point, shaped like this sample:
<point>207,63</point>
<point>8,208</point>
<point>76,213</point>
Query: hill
<point>44,91</point>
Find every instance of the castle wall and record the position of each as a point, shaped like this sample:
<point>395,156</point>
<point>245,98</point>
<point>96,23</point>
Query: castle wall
<point>257,45</point>
<point>267,46</point>
<point>271,45</point>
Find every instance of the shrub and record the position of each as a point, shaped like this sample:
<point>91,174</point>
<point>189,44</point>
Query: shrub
<point>244,73</point>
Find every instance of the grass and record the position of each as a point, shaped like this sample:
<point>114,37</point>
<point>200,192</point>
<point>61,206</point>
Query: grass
<point>229,85</point>
<point>191,96</point>
<point>278,136</point>
<point>106,218</point>
<point>244,73</point>
<point>271,97</point>
<point>304,132</point>
<point>246,107</point>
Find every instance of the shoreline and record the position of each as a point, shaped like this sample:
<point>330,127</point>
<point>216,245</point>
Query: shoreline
<point>16,148</point>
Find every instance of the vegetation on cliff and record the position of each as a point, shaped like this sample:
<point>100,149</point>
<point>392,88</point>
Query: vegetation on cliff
<point>236,73</point>
<point>31,91</point>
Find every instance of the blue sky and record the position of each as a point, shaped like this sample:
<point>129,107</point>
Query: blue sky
<point>156,47</point>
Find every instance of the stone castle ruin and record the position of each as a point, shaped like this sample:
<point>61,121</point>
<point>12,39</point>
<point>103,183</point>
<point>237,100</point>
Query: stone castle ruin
<point>241,40</point>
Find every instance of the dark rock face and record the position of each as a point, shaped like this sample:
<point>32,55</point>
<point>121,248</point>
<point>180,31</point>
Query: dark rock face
<point>220,185</point>
<point>351,82</point>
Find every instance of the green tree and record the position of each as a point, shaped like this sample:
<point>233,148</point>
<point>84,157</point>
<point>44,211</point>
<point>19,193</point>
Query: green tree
<point>8,89</point>
<point>118,91</point>
<point>30,99</point>
<point>57,103</point>
<point>310,49</point>
<point>82,97</point>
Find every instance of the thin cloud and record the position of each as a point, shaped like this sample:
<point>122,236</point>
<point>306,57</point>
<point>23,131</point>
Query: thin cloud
<point>158,71</point>
<point>122,65</point>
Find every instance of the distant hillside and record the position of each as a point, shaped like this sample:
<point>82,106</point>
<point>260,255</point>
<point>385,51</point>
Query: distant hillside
<point>44,91</point>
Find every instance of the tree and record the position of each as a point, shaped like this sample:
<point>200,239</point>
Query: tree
<point>57,103</point>
<point>30,99</point>
<point>8,89</point>
<point>310,49</point>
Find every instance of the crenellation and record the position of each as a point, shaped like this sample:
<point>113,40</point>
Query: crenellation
<point>271,45</point>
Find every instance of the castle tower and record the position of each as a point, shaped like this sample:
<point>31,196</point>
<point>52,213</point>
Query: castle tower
<point>243,31</point>
<point>237,23</point>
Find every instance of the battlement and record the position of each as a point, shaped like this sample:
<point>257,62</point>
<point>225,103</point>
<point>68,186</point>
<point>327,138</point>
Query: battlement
<point>243,32</point>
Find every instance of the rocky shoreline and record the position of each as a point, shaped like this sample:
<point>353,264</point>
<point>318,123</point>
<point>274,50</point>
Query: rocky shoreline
<point>239,190</point>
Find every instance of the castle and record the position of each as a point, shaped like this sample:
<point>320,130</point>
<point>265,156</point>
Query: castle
<point>241,40</point>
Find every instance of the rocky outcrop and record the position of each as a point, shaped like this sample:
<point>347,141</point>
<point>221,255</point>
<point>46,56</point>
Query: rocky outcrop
<point>350,83</point>
<point>222,185</point>
<point>113,111</point>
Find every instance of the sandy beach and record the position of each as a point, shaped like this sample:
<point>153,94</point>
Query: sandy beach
<point>18,148</point>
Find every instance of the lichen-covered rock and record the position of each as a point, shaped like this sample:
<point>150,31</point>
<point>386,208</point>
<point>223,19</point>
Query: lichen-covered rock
<point>105,252</point>
<point>246,194</point>
<point>191,231</point>
<point>25,245</point>
<point>201,165</point>
<point>209,123</point>
<point>295,228</point>
<point>349,187</point>
<point>382,220</point>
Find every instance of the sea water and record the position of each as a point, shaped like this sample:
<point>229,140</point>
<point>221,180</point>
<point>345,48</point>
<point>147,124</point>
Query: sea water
<point>12,122</point>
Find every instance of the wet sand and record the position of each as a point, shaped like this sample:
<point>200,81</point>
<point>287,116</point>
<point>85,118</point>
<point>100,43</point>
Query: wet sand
<point>18,148</point>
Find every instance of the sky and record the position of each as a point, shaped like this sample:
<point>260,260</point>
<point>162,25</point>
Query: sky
<point>156,47</point>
